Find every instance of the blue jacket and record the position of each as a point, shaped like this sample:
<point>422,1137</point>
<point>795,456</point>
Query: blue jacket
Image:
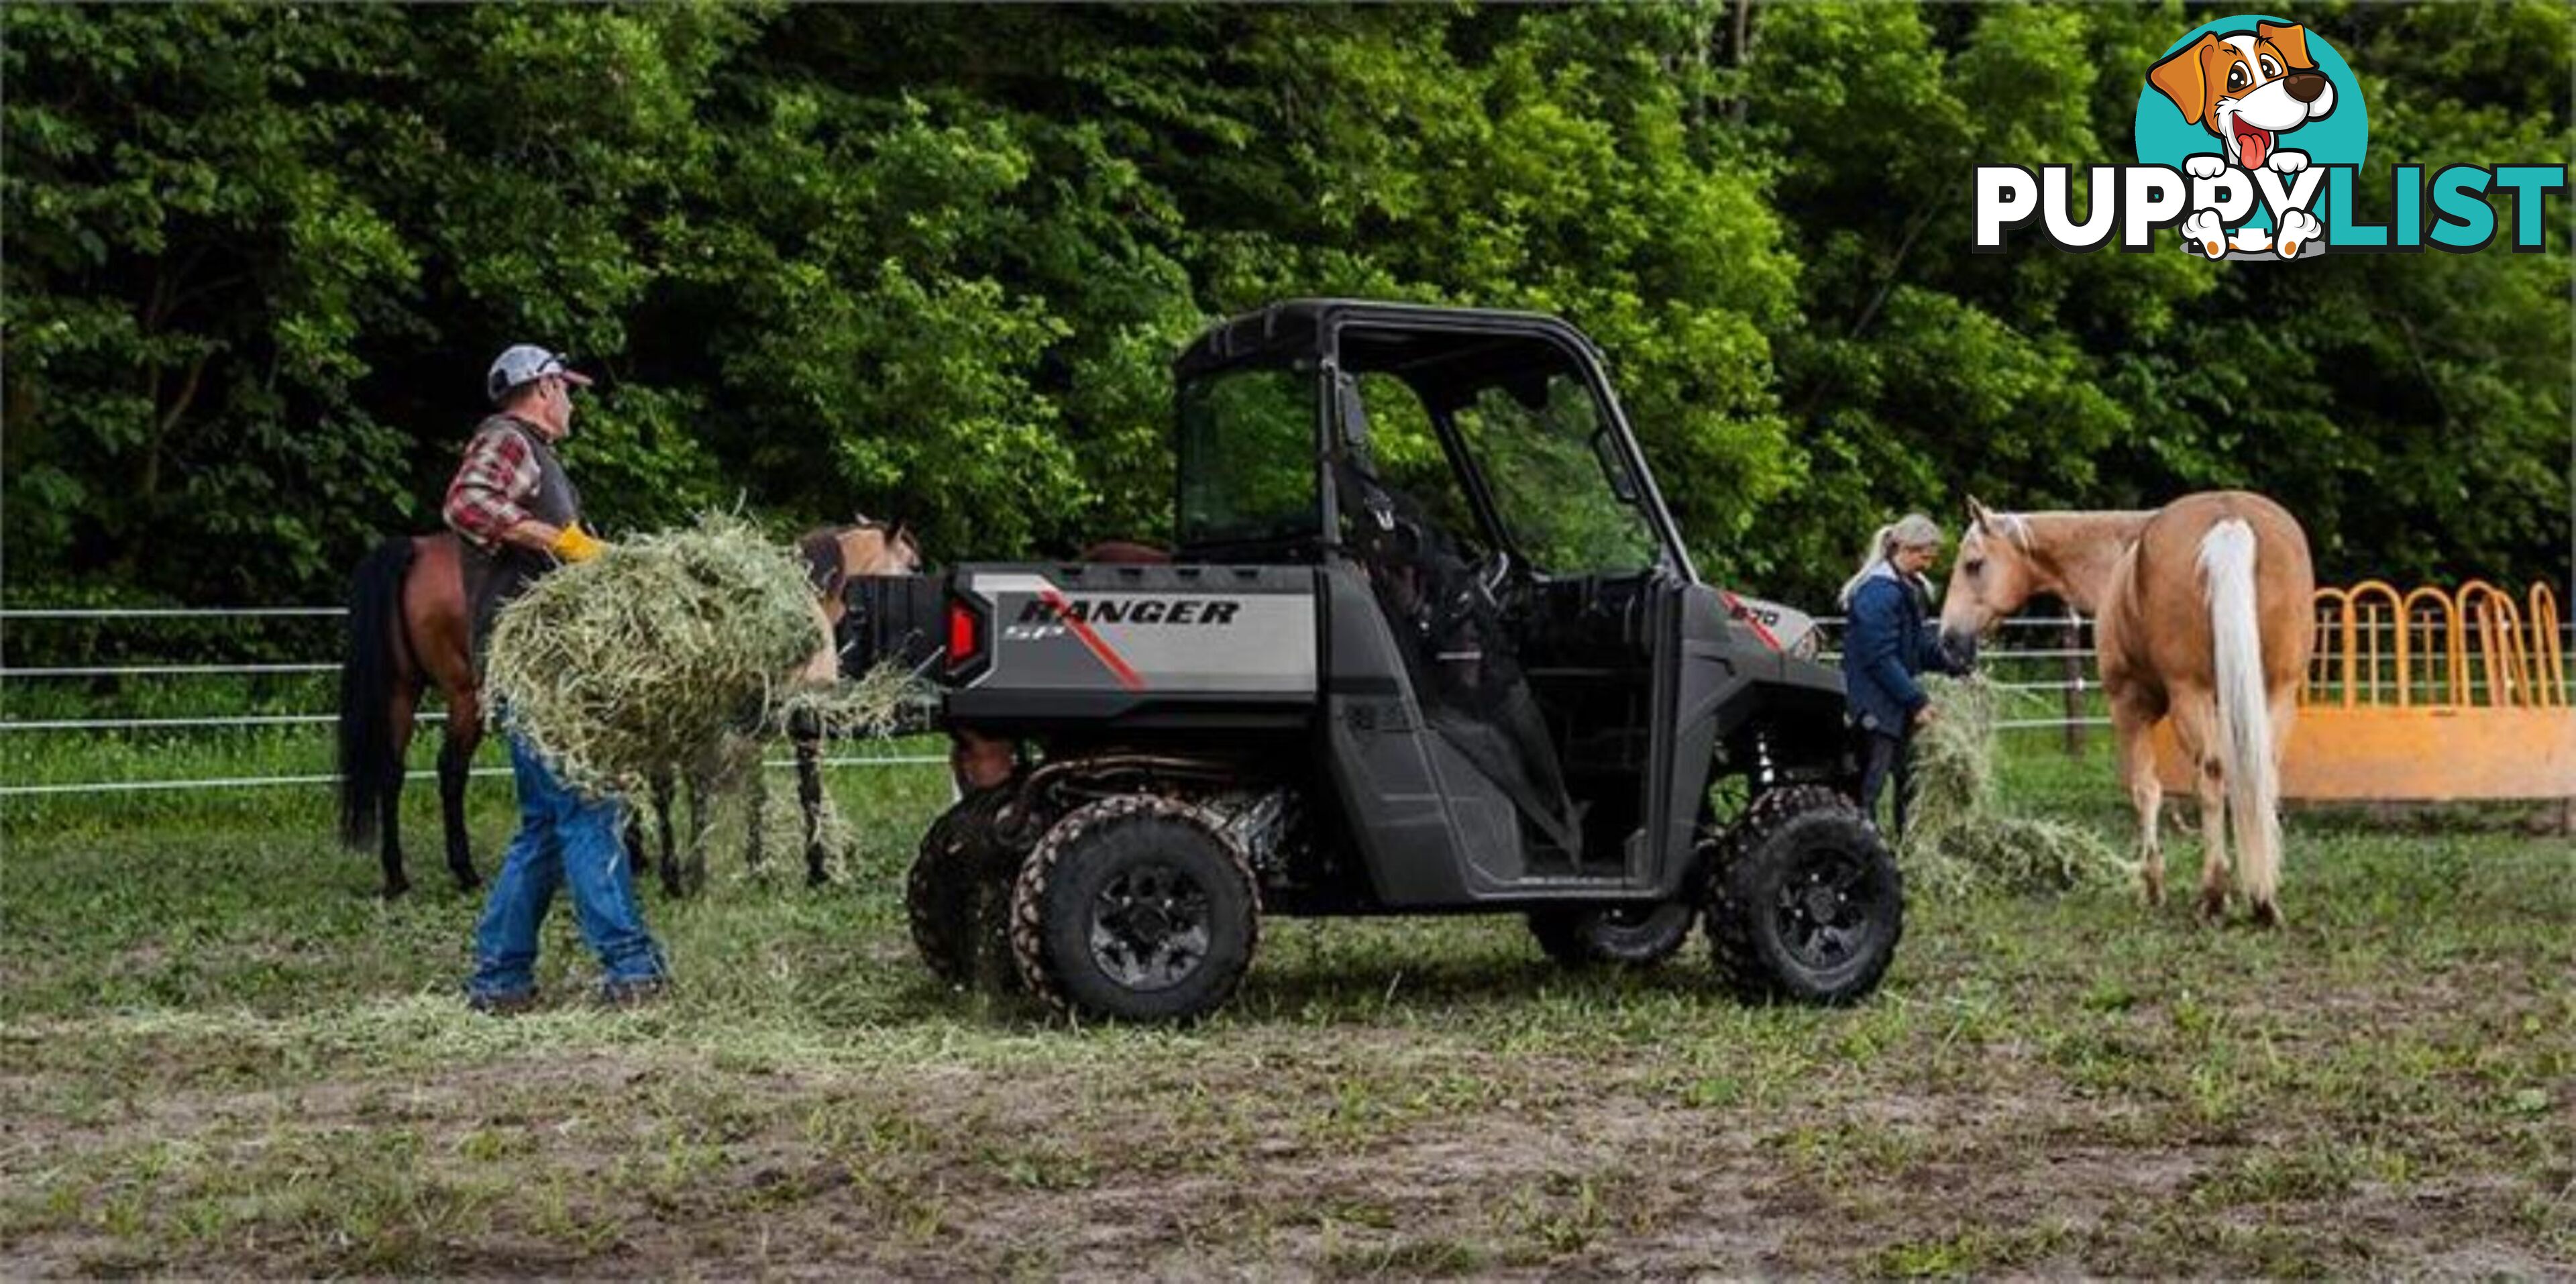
<point>1889,640</point>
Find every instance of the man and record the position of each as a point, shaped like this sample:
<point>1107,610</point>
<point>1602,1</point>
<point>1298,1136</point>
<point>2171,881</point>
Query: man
<point>520,517</point>
<point>1885,645</point>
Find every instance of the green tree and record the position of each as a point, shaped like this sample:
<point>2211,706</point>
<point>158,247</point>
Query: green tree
<point>934,261</point>
<point>258,255</point>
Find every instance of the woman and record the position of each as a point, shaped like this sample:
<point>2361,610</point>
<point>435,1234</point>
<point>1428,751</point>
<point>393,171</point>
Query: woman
<point>1887,642</point>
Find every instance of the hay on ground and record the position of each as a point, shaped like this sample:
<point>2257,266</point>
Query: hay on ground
<point>1959,838</point>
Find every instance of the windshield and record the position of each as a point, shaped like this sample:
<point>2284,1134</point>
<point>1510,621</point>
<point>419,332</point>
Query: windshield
<point>1247,456</point>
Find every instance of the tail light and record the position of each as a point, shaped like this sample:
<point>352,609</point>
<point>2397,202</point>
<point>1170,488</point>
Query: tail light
<point>965,635</point>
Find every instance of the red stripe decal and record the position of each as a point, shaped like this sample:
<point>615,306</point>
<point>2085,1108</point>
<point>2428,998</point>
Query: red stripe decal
<point>1735,607</point>
<point>1063,609</point>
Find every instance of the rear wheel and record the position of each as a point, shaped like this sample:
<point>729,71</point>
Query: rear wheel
<point>1622,935</point>
<point>1805,902</point>
<point>1136,909</point>
<point>956,897</point>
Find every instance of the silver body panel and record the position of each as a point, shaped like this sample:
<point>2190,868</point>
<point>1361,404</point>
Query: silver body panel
<point>1158,630</point>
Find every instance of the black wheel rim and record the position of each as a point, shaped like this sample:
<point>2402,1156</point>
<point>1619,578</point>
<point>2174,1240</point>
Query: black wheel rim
<point>1826,909</point>
<point>1150,926</point>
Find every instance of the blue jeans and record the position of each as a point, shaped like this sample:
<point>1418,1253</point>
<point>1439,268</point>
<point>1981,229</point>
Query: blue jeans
<point>564,840</point>
<point>1889,756</point>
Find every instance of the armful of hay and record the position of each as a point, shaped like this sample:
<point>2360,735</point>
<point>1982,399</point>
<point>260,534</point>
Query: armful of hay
<point>647,659</point>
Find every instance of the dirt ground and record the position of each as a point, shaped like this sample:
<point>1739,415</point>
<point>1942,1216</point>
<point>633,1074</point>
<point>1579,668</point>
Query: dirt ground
<point>200,1076</point>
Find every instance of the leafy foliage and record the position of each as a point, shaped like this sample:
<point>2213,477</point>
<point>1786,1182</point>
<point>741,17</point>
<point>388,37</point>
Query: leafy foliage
<point>933,262</point>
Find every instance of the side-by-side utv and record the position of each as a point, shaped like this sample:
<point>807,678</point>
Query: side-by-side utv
<point>1428,642</point>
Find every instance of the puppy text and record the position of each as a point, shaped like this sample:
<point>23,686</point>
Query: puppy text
<point>2454,211</point>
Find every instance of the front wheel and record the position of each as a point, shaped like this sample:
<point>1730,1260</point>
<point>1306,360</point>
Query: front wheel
<point>1805,902</point>
<point>1137,909</point>
<point>1621,935</point>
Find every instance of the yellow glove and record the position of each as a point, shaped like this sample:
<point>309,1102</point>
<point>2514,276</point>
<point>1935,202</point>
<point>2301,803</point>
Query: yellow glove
<point>573,544</point>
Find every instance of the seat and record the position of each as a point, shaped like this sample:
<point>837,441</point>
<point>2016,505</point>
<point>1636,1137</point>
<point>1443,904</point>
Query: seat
<point>1455,646</point>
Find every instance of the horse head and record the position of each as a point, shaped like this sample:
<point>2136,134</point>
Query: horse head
<point>880,548</point>
<point>832,555</point>
<point>1993,576</point>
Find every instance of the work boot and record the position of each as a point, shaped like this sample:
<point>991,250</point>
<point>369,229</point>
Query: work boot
<point>506,1004</point>
<point>636,993</point>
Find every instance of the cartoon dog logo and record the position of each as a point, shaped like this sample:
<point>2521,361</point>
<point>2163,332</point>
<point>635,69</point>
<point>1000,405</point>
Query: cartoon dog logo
<point>2247,89</point>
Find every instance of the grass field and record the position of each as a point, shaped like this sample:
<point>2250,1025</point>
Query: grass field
<point>223,1055</point>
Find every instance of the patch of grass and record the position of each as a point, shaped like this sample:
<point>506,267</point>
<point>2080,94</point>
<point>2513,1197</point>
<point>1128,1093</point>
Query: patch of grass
<point>1975,1251</point>
<point>1405,1258</point>
<point>220,1054</point>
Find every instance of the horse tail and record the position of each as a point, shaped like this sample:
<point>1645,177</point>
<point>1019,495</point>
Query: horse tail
<point>367,678</point>
<point>2244,708</point>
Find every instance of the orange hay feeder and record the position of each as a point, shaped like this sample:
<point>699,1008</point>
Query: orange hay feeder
<point>2427,696</point>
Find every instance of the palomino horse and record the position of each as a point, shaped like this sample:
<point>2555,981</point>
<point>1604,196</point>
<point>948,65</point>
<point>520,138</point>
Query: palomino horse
<point>407,629</point>
<point>2202,613</point>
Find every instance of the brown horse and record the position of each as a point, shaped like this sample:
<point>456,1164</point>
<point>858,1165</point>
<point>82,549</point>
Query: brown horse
<point>2202,613</point>
<point>407,630</point>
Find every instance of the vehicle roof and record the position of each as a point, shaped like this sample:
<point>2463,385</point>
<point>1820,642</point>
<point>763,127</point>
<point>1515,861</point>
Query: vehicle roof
<point>1295,327</point>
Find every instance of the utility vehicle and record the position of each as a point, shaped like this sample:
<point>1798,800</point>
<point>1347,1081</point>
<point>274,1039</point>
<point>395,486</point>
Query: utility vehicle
<point>1428,642</point>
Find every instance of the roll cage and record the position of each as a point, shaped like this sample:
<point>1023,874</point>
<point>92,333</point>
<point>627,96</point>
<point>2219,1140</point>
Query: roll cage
<point>1447,357</point>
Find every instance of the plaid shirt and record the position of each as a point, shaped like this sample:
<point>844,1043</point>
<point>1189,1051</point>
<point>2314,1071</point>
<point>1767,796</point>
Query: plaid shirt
<point>493,485</point>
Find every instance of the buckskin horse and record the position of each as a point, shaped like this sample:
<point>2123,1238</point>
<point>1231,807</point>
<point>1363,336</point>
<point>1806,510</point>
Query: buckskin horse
<point>2202,613</point>
<point>407,630</point>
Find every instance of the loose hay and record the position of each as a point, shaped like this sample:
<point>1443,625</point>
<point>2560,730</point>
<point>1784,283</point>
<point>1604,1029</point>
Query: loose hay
<point>877,704</point>
<point>755,813</point>
<point>1958,837</point>
<point>673,653</point>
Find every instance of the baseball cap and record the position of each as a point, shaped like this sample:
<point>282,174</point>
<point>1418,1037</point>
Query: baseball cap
<point>524,362</point>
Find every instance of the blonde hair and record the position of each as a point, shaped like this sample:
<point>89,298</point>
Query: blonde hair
<point>1914,530</point>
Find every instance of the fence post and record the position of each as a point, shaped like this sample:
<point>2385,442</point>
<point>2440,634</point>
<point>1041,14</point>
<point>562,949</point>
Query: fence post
<point>2072,642</point>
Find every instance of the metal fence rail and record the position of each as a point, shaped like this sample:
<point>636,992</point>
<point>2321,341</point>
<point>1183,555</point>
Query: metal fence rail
<point>180,724</point>
<point>168,612</point>
<point>161,670</point>
<point>236,721</point>
<point>258,782</point>
<point>2077,685</point>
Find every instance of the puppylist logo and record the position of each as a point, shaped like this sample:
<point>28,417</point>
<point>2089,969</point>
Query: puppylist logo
<point>2251,134</point>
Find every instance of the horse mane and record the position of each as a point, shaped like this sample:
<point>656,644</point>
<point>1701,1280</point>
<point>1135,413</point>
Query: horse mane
<point>2073,567</point>
<point>821,549</point>
<point>2014,528</point>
